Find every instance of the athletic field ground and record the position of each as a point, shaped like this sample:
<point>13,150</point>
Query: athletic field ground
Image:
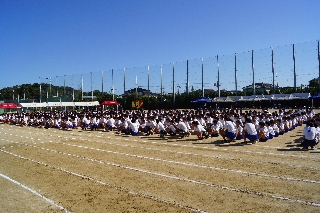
<point>49,170</point>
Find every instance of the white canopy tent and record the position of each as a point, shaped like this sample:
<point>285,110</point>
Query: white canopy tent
<point>59,104</point>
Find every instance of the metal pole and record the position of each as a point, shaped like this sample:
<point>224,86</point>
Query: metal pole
<point>187,89</point>
<point>294,70</point>
<point>235,72</point>
<point>57,86</point>
<point>50,88</point>
<point>218,83</point>
<point>136,84</point>
<point>124,80</point>
<point>161,91</point>
<point>252,66</point>
<point>102,77</point>
<point>202,88</point>
<point>112,85</point>
<point>173,91</point>
<point>81,86</point>
<point>72,89</point>
<point>91,87</point>
<point>40,91</point>
<point>47,88</point>
<point>64,85</point>
<point>148,86</point>
<point>273,87</point>
<point>64,90</point>
<point>319,67</point>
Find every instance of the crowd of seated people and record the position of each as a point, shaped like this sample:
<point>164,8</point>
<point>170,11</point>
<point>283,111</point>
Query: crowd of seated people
<point>232,125</point>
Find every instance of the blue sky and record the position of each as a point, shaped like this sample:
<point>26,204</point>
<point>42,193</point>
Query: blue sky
<point>42,39</point>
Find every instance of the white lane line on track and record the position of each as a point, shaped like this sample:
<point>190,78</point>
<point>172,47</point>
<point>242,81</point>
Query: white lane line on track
<point>166,176</point>
<point>214,148</point>
<point>109,185</point>
<point>34,192</point>
<point>192,165</point>
<point>282,155</point>
<point>238,151</point>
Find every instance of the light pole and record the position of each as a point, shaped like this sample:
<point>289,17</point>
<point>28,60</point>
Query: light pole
<point>50,88</point>
<point>57,87</point>
<point>40,97</point>
<point>47,89</point>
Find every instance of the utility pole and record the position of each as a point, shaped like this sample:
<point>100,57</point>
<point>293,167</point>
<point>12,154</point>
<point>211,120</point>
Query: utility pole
<point>218,82</point>
<point>91,87</point>
<point>235,73</point>
<point>319,67</point>
<point>102,77</point>
<point>40,97</point>
<point>252,66</point>
<point>202,87</point>
<point>187,85</point>
<point>47,89</point>
<point>173,91</point>
<point>50,88</point>
<point>64,86</point>
<point>161,91</point>
<point>148,86</point>
<point>272,72</point>
<point>294,70</point>
<point>81,86</point>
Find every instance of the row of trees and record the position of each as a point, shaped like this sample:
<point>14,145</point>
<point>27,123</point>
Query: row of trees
<point>31,92</point>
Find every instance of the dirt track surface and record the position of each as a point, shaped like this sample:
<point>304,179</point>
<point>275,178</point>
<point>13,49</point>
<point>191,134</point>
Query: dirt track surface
<point>49,170</point>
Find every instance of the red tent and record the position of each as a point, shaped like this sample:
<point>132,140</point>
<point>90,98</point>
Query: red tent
<point>109,103</point>
<point>9,106</point>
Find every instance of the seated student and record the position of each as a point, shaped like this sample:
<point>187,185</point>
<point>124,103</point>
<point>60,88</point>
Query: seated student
<point>110,124</point>
<point>286,124</point>
<point>123,126</point>
<point>181,128</point>
<point>161,128</point>
<point>150,126</point>
<point>309,133</point>
<point>85,123</point>
<point>272,128</point>
<point>69,124</point>
<point>199,130</point>
<point>74,123</point>
<point>263,133</point>
<point>187,123</point>
<point>56,123</point>
<point>94,123</point>
<point>171,128</point>
<point>249,131</point>
<point>280,125</point>
<point>239,130</point>
<point>294,120</point>
<point>229,130</point>
<point>304,117</point>
<point>215,127</point>
<point>134,127</point>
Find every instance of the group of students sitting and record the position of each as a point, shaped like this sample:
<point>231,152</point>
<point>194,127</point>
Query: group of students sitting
<point>232,125</point>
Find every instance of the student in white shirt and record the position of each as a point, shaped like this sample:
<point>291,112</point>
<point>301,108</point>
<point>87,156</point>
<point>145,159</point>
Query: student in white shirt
<point>229,130</point>
<point>249,131</point>
<point>309,132</point>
